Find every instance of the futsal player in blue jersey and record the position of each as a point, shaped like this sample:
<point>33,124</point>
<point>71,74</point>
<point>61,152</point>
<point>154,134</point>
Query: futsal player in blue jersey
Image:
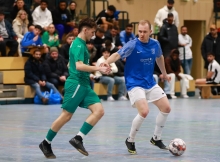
<point>141,55</point>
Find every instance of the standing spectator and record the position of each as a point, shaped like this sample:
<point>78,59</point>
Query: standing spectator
<point>173,65</point>
<point>186,42</point>
<point>35,4</point>
<point>61,19</point>
<point>127,35</point>
<point>20,5</point>
<point>42,16</point>
<point>92,51</point>
<point>109,45</point>
<point>64,49</point>
<point>7,36</point>
<point>55,68</point>
<point>112,35</point>
<point>105,19</point>
<point>72,11</point>
<point>20,27</point>
<point>211,43</point>
<point>163,12</point>
<point>35,76</point>
<point>168,36</point>
<point>50,37</point>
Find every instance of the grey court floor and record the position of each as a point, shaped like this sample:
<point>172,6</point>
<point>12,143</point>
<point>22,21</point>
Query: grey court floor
<point>196,121</point>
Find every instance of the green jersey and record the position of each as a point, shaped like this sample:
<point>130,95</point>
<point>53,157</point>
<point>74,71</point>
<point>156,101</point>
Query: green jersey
<point>78,52</point>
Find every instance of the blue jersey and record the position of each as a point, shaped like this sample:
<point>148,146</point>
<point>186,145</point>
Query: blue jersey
<point>140,60</point>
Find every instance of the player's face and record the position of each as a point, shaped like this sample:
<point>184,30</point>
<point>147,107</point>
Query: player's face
<point>184,31</point>
<point>106,54</point>
<point>144,32</point>
<point>37,55</point>
<point>89,32</point>
<point>210,58</point>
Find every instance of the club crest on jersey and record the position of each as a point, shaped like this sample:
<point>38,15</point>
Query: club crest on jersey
<point>153,51</point>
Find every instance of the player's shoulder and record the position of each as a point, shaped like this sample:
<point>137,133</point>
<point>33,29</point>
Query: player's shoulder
<point>154,42</point>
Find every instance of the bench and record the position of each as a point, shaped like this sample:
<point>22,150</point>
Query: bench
<point>206,91</point>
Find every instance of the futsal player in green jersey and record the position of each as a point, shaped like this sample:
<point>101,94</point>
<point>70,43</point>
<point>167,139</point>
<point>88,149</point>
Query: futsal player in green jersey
<point>78,91</point>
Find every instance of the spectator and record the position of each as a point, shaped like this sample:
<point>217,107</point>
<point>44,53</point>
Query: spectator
<point>75,31</point>
<point>20,5</point>
<point>61,19</point>
<point>33,39</point>
<point>42,16</point>
<point>186,42</point>
<point>127,35</point>
<point>31,27</point>
<point>92,51</point>
<point>163,12</point>
<point>211,43</point>
<point>72,12</point>
<point>35,76</point>
<point>109,80</point>
<point>106,18</point>
<point>7,36</point>
<point>7,4</point>
<point>99,41</point>
<point>112,35</point>
<point>173,65</point>
<point>35,4</point>
<point>64,50</point>
<point>109,45</point>
<point>168,36</point>
<point>20,27</point>
<point>55,68</point>
<point>50,37</point>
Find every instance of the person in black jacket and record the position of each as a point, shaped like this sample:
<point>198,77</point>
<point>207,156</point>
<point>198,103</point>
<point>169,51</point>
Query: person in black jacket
<point>168,36</point>
<point>35,77</point>
<point>112,35</point>
<point>211,43</point>
<point>64,49</point>
<point>61,19</point>
<point>55,68</point>
<point>111,46</point>
<point>7,36</point>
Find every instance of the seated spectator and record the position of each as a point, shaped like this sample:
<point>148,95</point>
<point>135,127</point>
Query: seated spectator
<point>110,46</point>
<point>35,4</point>
<point>50,37</point>
<point>105,19</point>
<point>42,16</point>
<point>35,76</point>
<point>173,65</point>
<point>92,51</point>
<point>112,35</point>
<point>109,80</point>
<point>213,75</point>
<point>75,31</point>
<point>99,41</point>
<point>33,39</point>
<point>31,27</point>
<point>55,68</point>
<point>72,11</point>
<point>7,37</point>
<point>61,19</point>
<point>64,49</point>
<point>127,35</point>
<point>20,27</point>
<point>20,5</point>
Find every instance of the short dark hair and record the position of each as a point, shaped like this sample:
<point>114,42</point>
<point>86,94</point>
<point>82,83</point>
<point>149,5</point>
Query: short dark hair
<point>170,15</point>
<point>210,53</point>
<point>100,30</point>
<point>37,50</point>
<point>90,42</point>
<point>105,50</point>
<point>129,25</point>
<point>170,1</point>
<point>112,8</point>
<point>183,27</point>
<point>69,35</point>
<point>38,27</point>
<point>87,22</point>
<point>44,1</point>
<point>63,1</point>
<point>108,43</point>
<point>175,51</point>
<point>115,28</point>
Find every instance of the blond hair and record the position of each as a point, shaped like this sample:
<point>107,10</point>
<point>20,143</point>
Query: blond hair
<point>143,22</point>
<point>26,22</point>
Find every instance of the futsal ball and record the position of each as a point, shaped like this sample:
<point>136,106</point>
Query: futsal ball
<point>177,147</point>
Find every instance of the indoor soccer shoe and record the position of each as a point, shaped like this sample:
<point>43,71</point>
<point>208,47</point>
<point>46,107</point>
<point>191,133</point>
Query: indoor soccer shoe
<point>131,147</point>
<point>47,150</point>
<point>78,144</point>
<point>158,143</point>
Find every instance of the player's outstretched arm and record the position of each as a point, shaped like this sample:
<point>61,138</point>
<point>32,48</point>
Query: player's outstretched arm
<point>113,58</point>
<point>161,65</point>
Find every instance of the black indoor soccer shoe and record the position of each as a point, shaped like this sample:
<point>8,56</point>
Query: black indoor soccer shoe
<point>158,143</point>
<point>131,147</point>
<point>47,150</point>
<point>78,144</point>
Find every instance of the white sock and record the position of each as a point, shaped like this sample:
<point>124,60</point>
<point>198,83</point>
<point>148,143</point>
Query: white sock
<point>47,141</point>
<point>81,134</point>
<point>160,122</point>
<point>136,124</point>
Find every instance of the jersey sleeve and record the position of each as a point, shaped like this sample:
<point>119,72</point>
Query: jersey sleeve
<point>127,49</point>
<point>78,53</point>
<point>159,50</point>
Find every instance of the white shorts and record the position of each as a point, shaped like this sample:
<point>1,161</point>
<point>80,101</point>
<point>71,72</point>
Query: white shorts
<point>138,93</point>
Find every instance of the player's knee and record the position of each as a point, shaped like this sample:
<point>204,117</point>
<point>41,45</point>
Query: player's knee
<point>167,109</point>
<point>100,112</point>
<point>144,113</point>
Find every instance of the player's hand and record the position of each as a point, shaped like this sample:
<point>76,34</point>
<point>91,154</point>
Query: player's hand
<point>105,69</point>
<point>166,77</point>
<point>35,38</point>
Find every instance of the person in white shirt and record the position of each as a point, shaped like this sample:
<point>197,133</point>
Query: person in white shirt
<point>163,12</point>
<point>42,16</point>
<point>110,80</point>
<point>186,42</point>
<point>213,75</point>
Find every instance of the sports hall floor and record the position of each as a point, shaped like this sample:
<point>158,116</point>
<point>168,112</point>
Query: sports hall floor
<point>196,121</point>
